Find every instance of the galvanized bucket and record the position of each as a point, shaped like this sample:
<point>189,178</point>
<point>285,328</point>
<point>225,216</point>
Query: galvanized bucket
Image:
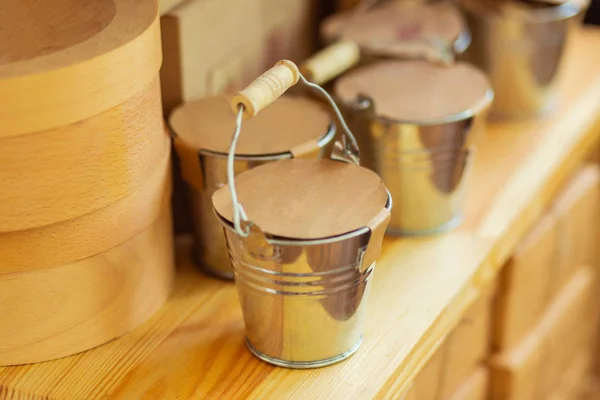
<point>205,168</point>
<point>396,28</point>
<point>424,162</point>
<point>303,295</point>
<point>520,47</point>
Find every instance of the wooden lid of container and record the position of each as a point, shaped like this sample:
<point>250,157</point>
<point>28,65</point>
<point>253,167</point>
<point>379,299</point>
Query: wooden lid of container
<point>63,61</point>
<point>396,21</point>
<point>417,90</point>
<point>306,199</point>
<point>208,124</point>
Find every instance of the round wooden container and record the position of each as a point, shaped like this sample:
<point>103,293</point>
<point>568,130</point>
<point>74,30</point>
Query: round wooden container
<point>386,28</point>
<point>62,173</point>
<point>73,59</point>
<point>92,233</point>
<point>59,311</point>
<point>80,117</point>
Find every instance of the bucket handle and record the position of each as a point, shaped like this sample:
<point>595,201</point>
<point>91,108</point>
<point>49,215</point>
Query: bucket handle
<point>264,90</point>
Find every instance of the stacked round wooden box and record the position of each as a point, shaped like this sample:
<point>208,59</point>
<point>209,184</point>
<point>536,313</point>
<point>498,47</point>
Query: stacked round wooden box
<point>85,226</point>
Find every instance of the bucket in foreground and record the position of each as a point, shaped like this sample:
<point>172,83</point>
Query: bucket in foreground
<point>303,237</point>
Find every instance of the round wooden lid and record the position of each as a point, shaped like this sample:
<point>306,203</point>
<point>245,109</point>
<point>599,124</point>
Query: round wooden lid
<point>306,199</point>
<point>208,124</point>
<point>396,21</point>
<point>81,56</point>
<point>417,91</point>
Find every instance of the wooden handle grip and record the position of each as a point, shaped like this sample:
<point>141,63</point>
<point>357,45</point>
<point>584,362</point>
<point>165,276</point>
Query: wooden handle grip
<point>266,88</point>
<point>331,61</point>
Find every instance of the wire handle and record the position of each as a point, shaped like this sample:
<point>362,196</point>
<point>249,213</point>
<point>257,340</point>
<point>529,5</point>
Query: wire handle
<point>259,94</point>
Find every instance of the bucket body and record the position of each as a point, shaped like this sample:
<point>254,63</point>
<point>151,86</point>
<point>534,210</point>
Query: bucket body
<point>521,52</point>
<point>303,301</point>
<point>210,247</point>
<point>425,166</point>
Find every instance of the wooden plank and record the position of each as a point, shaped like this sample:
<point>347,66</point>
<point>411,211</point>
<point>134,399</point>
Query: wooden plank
<point>165,6</point>
<point>210,46</point>
<point>576,211</point>
<point>524,285</point>
<point>573,382</point>
<point>426,385</point>
<point>533,368</point>
<point>466,346</point>
<point>475,387</point>
<point>422,286</point>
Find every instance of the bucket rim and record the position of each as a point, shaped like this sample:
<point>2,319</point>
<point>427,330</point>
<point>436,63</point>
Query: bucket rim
<point>472,112</point>
<point>323,141</point>
<point>563,11</point>
<point>287,241</point>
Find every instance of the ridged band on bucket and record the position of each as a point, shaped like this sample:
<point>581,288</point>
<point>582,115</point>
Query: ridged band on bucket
<point>417,124</point>
<point>303,237</point>
<point>292,127</point>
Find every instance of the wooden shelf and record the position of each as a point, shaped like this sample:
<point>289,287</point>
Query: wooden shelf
<point>194,347</point>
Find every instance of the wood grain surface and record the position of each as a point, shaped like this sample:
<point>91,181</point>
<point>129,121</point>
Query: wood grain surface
<point>80,58</point>
<point>92,233</point>
<point>55,312</point>
<point>63,173</point>
<point>194,347</point>
<point>525,285</point>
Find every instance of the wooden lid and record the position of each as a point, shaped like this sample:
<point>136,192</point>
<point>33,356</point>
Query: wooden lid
<point>395,21</point>
<point>416,90</point>
<point>306,199</point>
<point>208,124</point>
<point>67,60</point>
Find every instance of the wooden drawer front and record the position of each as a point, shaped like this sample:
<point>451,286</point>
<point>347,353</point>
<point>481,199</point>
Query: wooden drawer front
<point>466,346</point>
<point>475,387</point>
<point>577,213</point>
<point>534,367</point>
<point>524,283</point>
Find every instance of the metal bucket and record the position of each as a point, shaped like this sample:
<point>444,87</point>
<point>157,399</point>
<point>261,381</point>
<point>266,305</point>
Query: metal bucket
<point>209,174</point>
<point>384,29</point>
<point>424,164</point>
<point>303,301</point>
<point>521,49</point>
<point>303,298</point>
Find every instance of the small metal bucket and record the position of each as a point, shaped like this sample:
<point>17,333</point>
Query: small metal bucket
<point>205,172</point>
<point>520,48</point>
<point>394,29</point>
<point>303,299</point>
<point>424,164</point>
